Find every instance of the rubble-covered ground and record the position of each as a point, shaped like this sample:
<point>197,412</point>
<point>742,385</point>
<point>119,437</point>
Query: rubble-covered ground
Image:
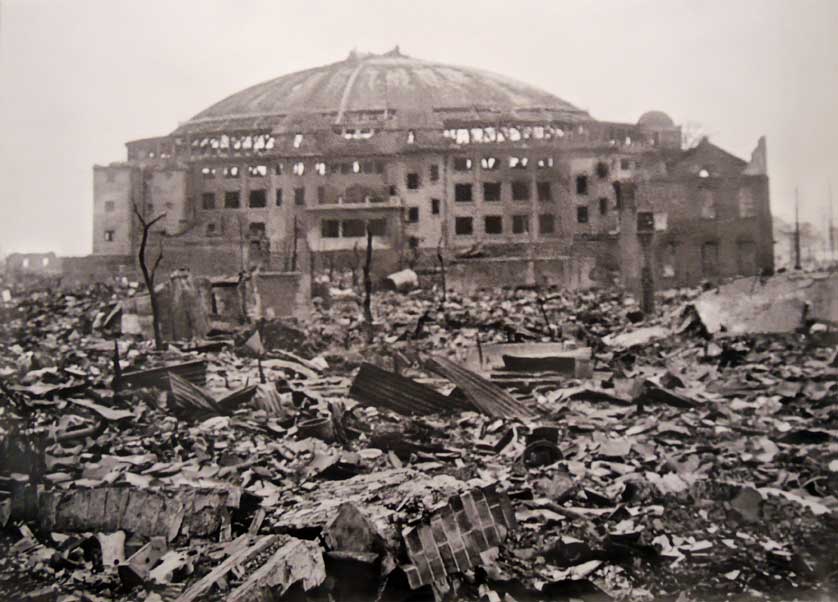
<point>675,466</point>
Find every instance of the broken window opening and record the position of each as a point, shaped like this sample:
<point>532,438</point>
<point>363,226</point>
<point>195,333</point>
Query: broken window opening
<point>299,168</point>
<point>353,228</point>
<point>258,199</point>
<point>462,164</point>
<point>462,136</point>
<point>279,169</point>
<point>321,195</point>
<point>411,136</point>
<point>330,228</point>
<point>520,224</point>
<point>710,258</point>
<point>545,192</point>
<point>747,207</point>
<point>514,134</point>
<point>708,204</point>
<point>582,184</point>
<point>377,227</point>
<point>300,197</point>
<point>520,190</point>
<point>211,231</point>
<point>379,167</point>
<point>603,206</point>
<point>668,263</point>
<point>413,181</point>
<point>434,173</point>
<point>602,170</point>
<point>367,167</point>
<point>476,134</point>
<point>704,173</point>
<point>463,226</point>
<point>109,236</point>
<point>462,193</point>
<point>434,206</point>
<point>356,167</point>
<point>208,200</point>
<point>518,162</point>
<point>258,171</point>
<point>278,197</point>
<point>582,214</point>
<point>231,199</point>
<point>298,140</point>
<point>491,191</point>
<point>256,229</point>
<point>493,224</point>
<point>489,163</point>
<point>490,134</point>
<point>625,164</point>
<point>231,171</point>
<point>412,215</point>
<point>393,191</point>
<point>545,162</point>
<point>208,173</point>
<point>320,168</point>
<point>546,223</point>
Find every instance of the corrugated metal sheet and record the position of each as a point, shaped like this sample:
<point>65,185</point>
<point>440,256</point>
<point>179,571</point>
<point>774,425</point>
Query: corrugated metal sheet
<point>191,398</point>
<point>485,395</point>
<point>194,371</point>
<point>377,387</point>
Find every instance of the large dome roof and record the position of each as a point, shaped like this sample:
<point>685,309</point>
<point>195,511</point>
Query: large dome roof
<point>390,81</point>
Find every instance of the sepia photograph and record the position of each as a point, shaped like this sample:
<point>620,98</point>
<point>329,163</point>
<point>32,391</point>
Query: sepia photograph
<point>437,301</point>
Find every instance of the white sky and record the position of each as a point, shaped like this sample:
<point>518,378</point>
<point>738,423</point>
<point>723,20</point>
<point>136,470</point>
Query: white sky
<point>79,78</point>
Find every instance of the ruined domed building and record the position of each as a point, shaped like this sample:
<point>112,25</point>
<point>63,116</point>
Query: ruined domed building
<point>508,182</point>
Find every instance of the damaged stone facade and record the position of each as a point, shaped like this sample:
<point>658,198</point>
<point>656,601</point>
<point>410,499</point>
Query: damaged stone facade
<point>289,175</point>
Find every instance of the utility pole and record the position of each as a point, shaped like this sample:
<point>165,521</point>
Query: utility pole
<point>796,231</point>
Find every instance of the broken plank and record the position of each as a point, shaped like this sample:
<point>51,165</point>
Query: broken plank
<point>297,560</point>
<point>244,551</point>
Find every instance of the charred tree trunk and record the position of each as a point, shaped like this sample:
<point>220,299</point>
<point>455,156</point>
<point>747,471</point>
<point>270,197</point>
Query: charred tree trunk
<point>148,275</point>
<point>368,288</point>
<point>442,274</point>
<point>294,249</point>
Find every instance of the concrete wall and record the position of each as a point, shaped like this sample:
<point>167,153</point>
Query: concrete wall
<point>469,276</point>
<point>115,188</point>
<point>84,271</point>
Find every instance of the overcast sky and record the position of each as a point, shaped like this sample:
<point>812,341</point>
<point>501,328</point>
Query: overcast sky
<point>79,78</point>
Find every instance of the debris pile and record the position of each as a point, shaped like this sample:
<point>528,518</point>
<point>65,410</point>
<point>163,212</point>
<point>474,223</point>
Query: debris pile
<point>512,445</point>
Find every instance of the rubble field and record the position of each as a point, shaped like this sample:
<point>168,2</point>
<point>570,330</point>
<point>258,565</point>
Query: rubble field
<point>514,445</point>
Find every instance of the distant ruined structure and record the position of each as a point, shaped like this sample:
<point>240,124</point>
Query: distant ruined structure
<point>512,184</point>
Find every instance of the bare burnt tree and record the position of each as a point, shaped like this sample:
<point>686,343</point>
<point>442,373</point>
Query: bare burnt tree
<point>441,272</point>
<point>148,275</point>
<point>357,263</point>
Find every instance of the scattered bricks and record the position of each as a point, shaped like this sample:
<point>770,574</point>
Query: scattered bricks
<point>457,535</point>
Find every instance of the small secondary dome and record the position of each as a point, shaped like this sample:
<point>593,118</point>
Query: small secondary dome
<point>656,119</point>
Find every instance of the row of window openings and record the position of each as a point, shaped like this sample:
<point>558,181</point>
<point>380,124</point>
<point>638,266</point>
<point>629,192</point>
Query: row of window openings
<point>493,224</point>
<point>464,193</point>
<point>298,168</point>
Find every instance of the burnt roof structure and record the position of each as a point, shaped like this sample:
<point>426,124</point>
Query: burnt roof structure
<point>412,92</point>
